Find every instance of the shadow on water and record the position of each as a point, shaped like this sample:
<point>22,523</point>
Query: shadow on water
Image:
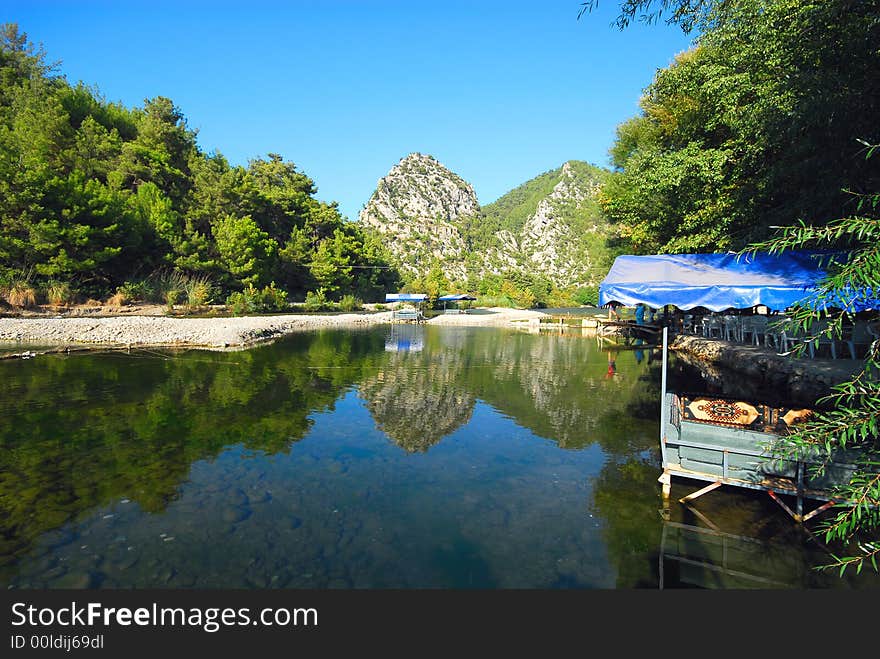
<point>429,457</point>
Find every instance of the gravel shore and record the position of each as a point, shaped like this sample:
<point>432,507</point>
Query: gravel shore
<point>136,330</point>
<point>162,331</point>
<point>494,316</point>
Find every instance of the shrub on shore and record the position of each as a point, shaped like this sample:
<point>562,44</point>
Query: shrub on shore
<point>59,293</point>
<point>199,291</point>
<point>495,301</point>
<point>21,294</point>
<point>350,303</point>
<point>254,300</point>
<point>316,301</point>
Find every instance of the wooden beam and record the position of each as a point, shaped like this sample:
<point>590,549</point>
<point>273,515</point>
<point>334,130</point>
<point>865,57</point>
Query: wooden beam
<point>824,506</point>
<point>701,492</point>
<point>781,503</point>
<point>666,480</point>
<point>708,522</point>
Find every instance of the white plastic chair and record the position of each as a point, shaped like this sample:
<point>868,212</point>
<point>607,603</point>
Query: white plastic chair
<point>687,324</point>
<point>860,334</point>
<point>826,340</point>
<point>712,327</point>
<point>731,328</point>
<point>755,328</point>
<point>784,337</point>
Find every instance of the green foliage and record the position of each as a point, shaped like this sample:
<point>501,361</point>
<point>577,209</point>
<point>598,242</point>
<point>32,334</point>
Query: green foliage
<point>523,290</point>
<point>350,303</point>
<point>316,301</point>
<point>513,209</point>
<point>254,300</point>
<point>135,291</point>
<point>688,14</point>
<point>752,128</point>
<point>96,193</point>
<point>332,262</point>
<point>246,250</point>
<point>272,298</point>
<point>587,295</point>
<point>852,418</point>
<point>199,291</point>
<point>434,284</point>
<point>241,303</point>
<point>495,301</point>
<point>172,296</point>
<point>166,284</point>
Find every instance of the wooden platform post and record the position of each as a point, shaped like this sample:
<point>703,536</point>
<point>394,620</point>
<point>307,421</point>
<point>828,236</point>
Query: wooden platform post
<point>666,480</point>
<point>824,506</point>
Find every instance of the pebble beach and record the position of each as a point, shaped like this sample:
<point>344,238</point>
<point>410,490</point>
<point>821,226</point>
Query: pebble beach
<point>221,332</point>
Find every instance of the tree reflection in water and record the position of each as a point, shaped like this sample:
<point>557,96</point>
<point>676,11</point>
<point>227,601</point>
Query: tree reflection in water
<point>427,456</point>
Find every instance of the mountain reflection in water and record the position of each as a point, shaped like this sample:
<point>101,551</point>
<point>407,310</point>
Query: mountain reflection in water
<point>402,457</point>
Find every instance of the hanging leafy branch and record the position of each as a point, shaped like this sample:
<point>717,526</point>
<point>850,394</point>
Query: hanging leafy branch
<point>685,13</point>
<point>852,422</point>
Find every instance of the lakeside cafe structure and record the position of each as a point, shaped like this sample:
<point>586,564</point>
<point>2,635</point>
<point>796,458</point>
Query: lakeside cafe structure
<point>721,441</point>
<point>414,313</point>
<point>417,302</point>
<point>453,301</point>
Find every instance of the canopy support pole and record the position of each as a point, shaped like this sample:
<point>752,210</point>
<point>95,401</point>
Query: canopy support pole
<point>666,478</point>
<point>663,410</point>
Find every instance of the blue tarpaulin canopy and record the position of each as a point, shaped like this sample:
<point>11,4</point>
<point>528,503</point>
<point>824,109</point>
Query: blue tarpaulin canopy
<point>721,281</point>
<point>405,297</point>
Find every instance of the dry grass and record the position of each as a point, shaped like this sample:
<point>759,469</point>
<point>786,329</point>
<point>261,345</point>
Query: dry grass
<point>21,294</point>
<point>118,300</point>
<point>59,293</point>
<point>198,291</point>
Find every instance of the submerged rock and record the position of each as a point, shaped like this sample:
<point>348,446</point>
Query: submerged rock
<point>77,580</point>
<point>235,514</point>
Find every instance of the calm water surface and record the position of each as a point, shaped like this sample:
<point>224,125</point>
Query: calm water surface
<point>404,457</point>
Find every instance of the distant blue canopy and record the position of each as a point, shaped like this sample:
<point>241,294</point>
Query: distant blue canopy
<point>405,297</point>
<point>722,281</point>
<point>457,296</point>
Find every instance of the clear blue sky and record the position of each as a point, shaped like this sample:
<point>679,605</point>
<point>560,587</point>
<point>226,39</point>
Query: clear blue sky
<point>496,91</point>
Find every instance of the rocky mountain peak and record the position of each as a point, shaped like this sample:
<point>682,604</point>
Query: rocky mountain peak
<point>416,205</point>
<point>427,215</point>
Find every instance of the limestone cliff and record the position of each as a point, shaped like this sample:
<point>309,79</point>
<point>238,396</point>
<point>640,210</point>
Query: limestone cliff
<point>416,207</point>
<point>550,225</point>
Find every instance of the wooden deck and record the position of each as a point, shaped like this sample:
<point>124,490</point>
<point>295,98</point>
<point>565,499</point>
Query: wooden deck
<point>728,442</point>
<point>627,329</point>
<point>408,316</point>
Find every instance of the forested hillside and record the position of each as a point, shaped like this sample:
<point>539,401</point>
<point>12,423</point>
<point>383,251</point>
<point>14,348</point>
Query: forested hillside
<point>765,122</point>
<point>98,199</point>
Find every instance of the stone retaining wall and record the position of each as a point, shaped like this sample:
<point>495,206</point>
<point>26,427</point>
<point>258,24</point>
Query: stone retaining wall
<point>799,379</point>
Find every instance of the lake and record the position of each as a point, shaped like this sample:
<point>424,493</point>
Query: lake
<point>392,457</point>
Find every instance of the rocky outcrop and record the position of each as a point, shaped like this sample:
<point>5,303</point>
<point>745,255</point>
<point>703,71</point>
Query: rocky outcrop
<point>549,240</point>
<point>416,207</point>
<point>549,226</point>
